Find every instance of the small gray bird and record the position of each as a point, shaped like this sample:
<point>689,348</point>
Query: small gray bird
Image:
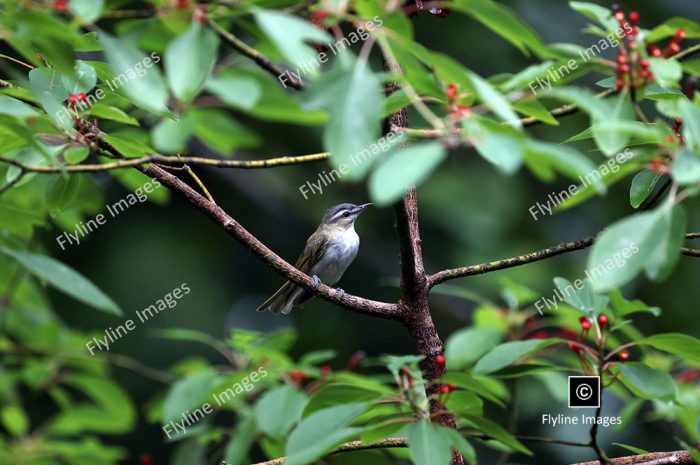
<point>328,253</point>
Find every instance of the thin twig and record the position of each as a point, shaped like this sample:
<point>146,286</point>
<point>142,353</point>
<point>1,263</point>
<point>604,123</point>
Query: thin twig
<point>262,60</point>
<point>171,161</point>
<point>352,446</point>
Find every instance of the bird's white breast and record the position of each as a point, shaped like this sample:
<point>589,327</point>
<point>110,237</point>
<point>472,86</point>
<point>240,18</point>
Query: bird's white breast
<point>340,253</point>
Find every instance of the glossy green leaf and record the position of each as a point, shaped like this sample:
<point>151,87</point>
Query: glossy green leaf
<point>690,114</point>
<point>86,10</point>
<point>511,352</point>
<point>428,444</point>
<point>467,345</point>
<point>141,83</point>
<point>322,431</point>
<point>667,72</point>
<point>668,247</point>
<point>278,410</point>
<point>14,420</point>
<point>648,382</point>
<point>188,394</point>
<point>61,192</point>
<point>403,168</point>
<point>642,186</point>
<point>64,279</point>
<point>683,345</point>
<point>189,59</point>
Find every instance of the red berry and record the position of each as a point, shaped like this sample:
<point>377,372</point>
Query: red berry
<point>575,347</point>
<point>645,64</point>
<point>674,47</point>
<point>72,98</point>
<point>317,17</point>
<point>181,4</point>
<point>620,15</point>
<point>586,325</point>
<point>146,459</point>
<point>679,122</point>
<point>440,359</point>
<point>624,356</point>
<point>452,386</point>
<point>451,91</point>
<point>354,359</point>
<point>462,110</point>
<point>326,370</point>
<point>405,371</point>
<point>602,320</point>
<point>655,51</point>
<point>82,97</point>
<point>621,59</point>
<point>619,83</point>
<point>60,5</point>
<point>680,34</point>
<point>624,68</point>
<point>297,375</point>
<point>444,389</point>
<point>540,335</point>
<point>634,17</point>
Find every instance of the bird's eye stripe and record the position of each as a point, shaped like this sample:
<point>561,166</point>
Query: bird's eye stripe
<point>339,213</point>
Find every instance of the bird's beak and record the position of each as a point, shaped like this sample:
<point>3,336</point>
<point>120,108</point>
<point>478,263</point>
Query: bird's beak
<point>361,208</point>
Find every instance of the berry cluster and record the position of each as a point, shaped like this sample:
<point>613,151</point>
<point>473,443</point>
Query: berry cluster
<point>453,105</point>
<point>447,388</point>
<point>630,66</point>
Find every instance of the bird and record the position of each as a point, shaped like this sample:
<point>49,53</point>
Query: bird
<point>328,253</point>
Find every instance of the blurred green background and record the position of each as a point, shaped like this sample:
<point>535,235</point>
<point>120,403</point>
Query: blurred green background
<point>469,214</point>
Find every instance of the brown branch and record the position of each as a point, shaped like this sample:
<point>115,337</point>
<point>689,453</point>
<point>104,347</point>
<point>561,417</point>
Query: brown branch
<point>564,247</point>
<point>262,60</point>
<point>170,161</point>
<point>352,446</point>
<point>233,228</point>
<point>678,457</point>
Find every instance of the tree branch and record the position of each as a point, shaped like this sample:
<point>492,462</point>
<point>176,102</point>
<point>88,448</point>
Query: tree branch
<point>564,247</point>
<point>170,161</point>
<point>233,228</point>
<point>352,446</point>
<point>262,60</point>
<point>678,457</point>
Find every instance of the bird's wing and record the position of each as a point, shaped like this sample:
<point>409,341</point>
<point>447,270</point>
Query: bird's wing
<point>315,248</point>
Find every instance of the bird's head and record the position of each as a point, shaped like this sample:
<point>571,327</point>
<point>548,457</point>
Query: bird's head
<point>343,216</point>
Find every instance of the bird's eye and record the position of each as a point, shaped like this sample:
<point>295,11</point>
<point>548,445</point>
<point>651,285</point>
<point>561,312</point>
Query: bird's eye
<point>346,214</point>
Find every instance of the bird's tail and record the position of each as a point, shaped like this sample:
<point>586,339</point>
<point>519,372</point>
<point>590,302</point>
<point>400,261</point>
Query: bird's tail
<point>283,300</point>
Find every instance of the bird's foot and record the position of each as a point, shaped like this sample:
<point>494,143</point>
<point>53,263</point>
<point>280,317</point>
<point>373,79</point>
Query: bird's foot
<point>317,281</point>
<point>340,290</point>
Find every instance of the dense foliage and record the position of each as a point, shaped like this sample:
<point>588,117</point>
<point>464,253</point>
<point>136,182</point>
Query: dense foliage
<point>89,84</point>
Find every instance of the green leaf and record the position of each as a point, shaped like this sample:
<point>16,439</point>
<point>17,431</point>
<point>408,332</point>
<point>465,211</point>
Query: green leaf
<point>544,158</point>
<point>278,410</point>
<point>647,382</point>
<point>290,35</point>
<point>683,345</point>
<point>349,91</point>
<point>509,353</point>
<point>13,107</point>
<point>219,131</point>
<point>668,247</point>
<point>494,100</point>
<point>86,10</point>
<point>238,90</point>
<point>467,345</point>
<point>108,112</point>
<point>461,444</point>
<point>622,307</point>
<point>497,432</point>
<point>669,28</point>
<point>603,16</point>
<point>535,109</point>
<point>14,420</point>
<point>606,133</point>
<point>188,394</point>
<point>171,136</point>
<point>403,168</point>
<point>642,186</point>
<point>667,72</point>
<point>428,444</point>
<point>498,144</point>
<point>64,279</point>
<point>189,59</point>
<point>624,248</point>
<point>242,439</point>
<point>321,431</point>
<point>503,21</point>
<point>74,155</point>
<point>342,393</point>
<point>690,114</point>
<point>580,295</point>
<point>135,74</point>
<point>61,192</point>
